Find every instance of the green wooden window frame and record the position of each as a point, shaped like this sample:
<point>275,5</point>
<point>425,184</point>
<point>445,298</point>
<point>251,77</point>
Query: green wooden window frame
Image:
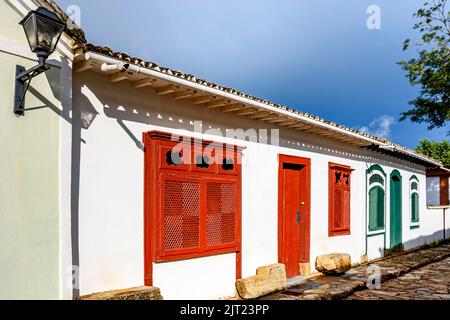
<point>414,189</point>
<point>377,200</point>
<point>414,207</point>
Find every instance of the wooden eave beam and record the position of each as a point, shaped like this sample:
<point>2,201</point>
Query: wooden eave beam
<point>246,111</point>
<point>119,76</point>
<point>288,122</point>
<point>217,103</point>
<point>147,82</point>
<point>259,115</point>
<point>233,107</point>
<point>277,120</point>
<point>166,89</point>
<point>84,66</point>
<point>184,94</point>
<point>203,99</point>
<point>299,125</point>
<point>268,118</point>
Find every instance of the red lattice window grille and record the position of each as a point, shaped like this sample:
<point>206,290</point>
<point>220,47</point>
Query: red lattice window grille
<point>192,207</point>
<point>221,210</point>
<point>339,199</point>
<point>181,213</point>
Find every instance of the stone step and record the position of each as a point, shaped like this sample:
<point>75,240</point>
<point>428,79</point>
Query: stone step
<point>268,279</point>
<point>137,293</point>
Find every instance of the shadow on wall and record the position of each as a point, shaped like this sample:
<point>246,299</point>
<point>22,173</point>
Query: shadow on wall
<point>421,240</point>
<point>436,236</point>
<point>124,103</point>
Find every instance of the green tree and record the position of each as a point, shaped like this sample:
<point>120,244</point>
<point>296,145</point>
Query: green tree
<point>431,69</point>
<point>436,150</point>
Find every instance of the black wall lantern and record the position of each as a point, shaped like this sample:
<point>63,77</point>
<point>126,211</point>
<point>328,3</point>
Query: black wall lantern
<point>43,29</point>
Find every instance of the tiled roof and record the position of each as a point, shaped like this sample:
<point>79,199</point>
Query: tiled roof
<point>80,43</point>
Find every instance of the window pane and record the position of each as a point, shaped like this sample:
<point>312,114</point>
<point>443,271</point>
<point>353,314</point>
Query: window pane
<point>376,208</point>
<point>433,197</point>
<point>415,207</point>
<point>380,208</point>
<point>337,209</point>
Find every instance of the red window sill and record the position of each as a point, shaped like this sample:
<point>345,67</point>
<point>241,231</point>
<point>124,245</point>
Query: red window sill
<point>166,257</point>
<point>339,233</point>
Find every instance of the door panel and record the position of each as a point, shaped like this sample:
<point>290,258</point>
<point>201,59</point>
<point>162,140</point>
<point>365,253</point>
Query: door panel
<point>396,212</point>
<point>294,206</point>
<point>291,212</point>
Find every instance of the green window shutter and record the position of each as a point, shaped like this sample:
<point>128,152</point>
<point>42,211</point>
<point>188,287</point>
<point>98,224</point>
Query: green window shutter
<point>380,208</point>
<point>372,209</point>
<point>414,207</point>
<point>376,208</point>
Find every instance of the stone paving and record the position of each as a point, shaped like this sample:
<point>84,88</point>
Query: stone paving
<point>431,282</point>
<point>355,281</point>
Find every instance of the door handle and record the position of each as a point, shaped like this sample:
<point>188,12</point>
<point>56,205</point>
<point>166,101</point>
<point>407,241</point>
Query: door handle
<point>298,216</point>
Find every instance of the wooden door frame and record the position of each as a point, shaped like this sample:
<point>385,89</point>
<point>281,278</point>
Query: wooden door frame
<point>306,172</point>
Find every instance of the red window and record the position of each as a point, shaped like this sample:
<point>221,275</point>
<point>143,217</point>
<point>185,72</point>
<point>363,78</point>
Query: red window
<point>339,199</point>
<point>192,199</point>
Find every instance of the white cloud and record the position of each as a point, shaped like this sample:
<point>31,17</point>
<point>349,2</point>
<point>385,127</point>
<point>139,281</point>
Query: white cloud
<point>380,127</point>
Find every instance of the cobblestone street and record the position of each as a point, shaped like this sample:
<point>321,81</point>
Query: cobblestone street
<point>431,282</point>
<point>422,274</point>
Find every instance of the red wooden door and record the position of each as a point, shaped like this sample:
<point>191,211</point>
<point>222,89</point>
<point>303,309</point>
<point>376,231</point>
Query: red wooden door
<point>294,217</point>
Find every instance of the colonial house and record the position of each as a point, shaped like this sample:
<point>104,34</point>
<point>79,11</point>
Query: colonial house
<point>123,173</point>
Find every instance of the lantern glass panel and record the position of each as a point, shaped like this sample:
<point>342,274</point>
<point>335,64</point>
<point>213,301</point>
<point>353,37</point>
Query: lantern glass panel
<point>29,27</point>
<point>48,33</point>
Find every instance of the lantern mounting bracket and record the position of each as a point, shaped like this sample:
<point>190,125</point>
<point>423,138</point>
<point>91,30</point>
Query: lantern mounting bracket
<point>23,79</point>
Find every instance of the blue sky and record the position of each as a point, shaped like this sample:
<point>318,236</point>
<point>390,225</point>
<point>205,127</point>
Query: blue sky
<point>316,56</point>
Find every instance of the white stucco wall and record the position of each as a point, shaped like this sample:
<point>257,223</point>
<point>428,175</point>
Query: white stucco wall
<point>107,138</point>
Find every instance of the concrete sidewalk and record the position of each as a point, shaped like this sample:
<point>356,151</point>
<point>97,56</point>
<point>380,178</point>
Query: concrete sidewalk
<point>339,287</point>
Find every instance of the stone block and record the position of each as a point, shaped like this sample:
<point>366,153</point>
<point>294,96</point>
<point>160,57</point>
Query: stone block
<point>334,263</point>
<point>138,293</point>
<point>268,279</point>
<point>305,269</point>
<point>364,259</point>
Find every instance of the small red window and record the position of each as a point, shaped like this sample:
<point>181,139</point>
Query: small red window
<point>339,199</point>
